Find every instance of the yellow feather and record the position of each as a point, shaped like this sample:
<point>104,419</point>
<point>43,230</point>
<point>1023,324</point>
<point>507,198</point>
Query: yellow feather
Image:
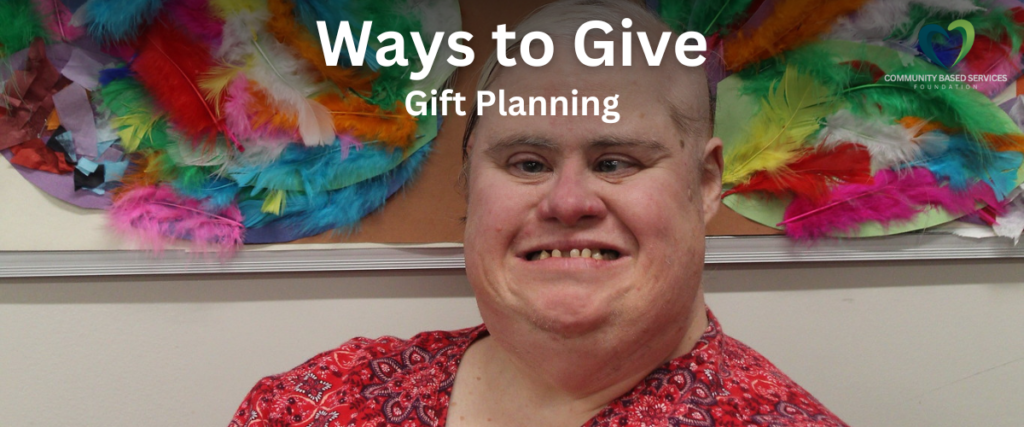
<point>216,81</point>
<point>133,128</point>
<point>226,8</point>
<point>789,115</point>
<point>274,203</point>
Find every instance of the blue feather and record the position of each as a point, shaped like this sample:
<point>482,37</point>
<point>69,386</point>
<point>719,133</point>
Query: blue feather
<point>316,169</point>
<point>311,214</point>
<point>333,12</point>
<point>216,193</point>
<point>119,20</point>
<point>110,74</point>
<point>964,162</point>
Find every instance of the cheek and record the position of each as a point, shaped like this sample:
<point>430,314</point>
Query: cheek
<point>493,212</point>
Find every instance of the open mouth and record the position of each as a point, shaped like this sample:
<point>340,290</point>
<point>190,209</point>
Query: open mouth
<point>598,254</point>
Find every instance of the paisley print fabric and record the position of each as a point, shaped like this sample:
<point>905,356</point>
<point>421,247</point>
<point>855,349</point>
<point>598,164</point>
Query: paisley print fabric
<point>407,383</point>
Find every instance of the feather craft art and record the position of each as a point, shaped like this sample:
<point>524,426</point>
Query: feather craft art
<point>788,26</point>
<point>156,214</point>
<point>22,24</point>
<point>283,26</point>
<point>57,18</point>
<point>228,103</point>
<point>169,64</point>
<point>110,21</point>
<point>889,145</point>
<point>813,174</point>
<point>892,197</point>
<point>706,17</point>
<point>283,78</point>
<point>790,113</point>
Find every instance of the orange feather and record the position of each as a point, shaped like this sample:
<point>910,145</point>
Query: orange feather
<point>283,26</point>
<point>790,24</point>
<point>369,122</point>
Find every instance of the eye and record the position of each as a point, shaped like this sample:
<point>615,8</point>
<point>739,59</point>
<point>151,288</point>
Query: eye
<point>614,166</point>
<point>530,166</point>
<point>527,166</point>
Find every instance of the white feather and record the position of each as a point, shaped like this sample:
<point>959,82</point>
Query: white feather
<point>1011,223</point>
<point>877,19</point>
<point>286,79</point>
<point>889,144</point>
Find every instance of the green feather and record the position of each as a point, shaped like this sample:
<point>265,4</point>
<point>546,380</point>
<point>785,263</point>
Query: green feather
<point>21,25</point>
<point>956,108</point>
<point>704,16</point>
<point>392,84</point>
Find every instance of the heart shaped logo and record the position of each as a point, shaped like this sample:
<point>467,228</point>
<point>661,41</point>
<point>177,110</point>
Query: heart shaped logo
<point>926,40</point>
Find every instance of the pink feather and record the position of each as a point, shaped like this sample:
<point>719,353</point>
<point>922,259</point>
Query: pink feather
<point>57,18</point>
<point>994,60</point>
<point>156,214</point>
<point>238,120</point>
<point>895,196</point>
<point>196,17</point>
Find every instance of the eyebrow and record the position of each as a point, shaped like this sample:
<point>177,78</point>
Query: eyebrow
<point>512,141</point>
<point>600,143</point>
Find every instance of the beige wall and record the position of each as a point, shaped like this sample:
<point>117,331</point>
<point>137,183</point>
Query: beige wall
<point>910,344</point>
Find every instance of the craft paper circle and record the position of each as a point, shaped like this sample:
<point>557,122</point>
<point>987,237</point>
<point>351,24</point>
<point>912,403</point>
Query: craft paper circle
<point>732,121</point>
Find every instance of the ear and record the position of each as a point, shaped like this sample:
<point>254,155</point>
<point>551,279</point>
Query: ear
<point>711,178</point>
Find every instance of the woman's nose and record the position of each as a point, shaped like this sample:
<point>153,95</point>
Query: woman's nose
<point>573,198</point>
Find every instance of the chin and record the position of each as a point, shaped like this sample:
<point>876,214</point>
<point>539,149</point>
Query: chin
<point>570,314</point>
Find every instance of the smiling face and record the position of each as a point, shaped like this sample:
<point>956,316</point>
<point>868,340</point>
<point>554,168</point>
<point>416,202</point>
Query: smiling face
<point>633,194</point>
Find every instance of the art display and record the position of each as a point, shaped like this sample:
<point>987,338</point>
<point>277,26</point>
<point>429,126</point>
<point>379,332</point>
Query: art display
<point>222,123</point>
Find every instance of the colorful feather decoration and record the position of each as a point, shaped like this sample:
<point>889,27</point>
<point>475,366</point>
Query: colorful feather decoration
<point>890,145</point>
<point>111,21</point>
<point>790,25</point>
<point>154,214</point>
<point>706,17</point>
<point>893,197</point>
<point>334,12</point>
<point>813,174</point>
<point>369,122</point>
<point>316,169</point>
<point>877,19</point>
<point>57,18</point>
<point>283,26</point>
<point>964,163</point>
<point>197,18</point>
<point>283,78</point>
<point>789,115</point>
<point>993,60</point>
<point>169,64</point>
<point>22,24</point>
<point>310,214</point>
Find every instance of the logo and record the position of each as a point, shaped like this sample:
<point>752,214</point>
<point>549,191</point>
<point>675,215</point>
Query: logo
<point>926,39</point>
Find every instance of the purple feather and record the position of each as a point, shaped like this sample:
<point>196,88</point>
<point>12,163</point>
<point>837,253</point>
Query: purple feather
<point>197,18</point>
<point>156,214</point>
<point>893,197</point>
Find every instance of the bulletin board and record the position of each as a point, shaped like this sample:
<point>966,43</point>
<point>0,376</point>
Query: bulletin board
<point>420,227</point>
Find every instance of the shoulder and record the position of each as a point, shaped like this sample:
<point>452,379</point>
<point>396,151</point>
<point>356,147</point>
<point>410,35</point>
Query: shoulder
<point>355,380</point>
<point>754,386</point>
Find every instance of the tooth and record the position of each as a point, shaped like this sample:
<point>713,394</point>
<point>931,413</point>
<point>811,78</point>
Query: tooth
<point>575,253</point>
<point>586,253</point>
<point>556,253</point>
<point>597,255</point>
<point>544,255</point>
<point>612,256</point>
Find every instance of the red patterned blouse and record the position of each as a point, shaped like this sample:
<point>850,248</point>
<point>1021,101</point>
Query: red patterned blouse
<point>393,382</point>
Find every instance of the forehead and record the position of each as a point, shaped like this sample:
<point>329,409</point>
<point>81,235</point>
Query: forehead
<point>652,102</point>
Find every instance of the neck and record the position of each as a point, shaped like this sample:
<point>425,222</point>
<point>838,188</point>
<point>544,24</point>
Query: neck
<point>584,373</point>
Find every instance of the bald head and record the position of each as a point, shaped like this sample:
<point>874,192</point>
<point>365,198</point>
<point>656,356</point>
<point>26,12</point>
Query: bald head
<point>680,89</point>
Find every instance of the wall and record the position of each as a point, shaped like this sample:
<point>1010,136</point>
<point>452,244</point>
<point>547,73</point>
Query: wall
<point>910,344</point>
